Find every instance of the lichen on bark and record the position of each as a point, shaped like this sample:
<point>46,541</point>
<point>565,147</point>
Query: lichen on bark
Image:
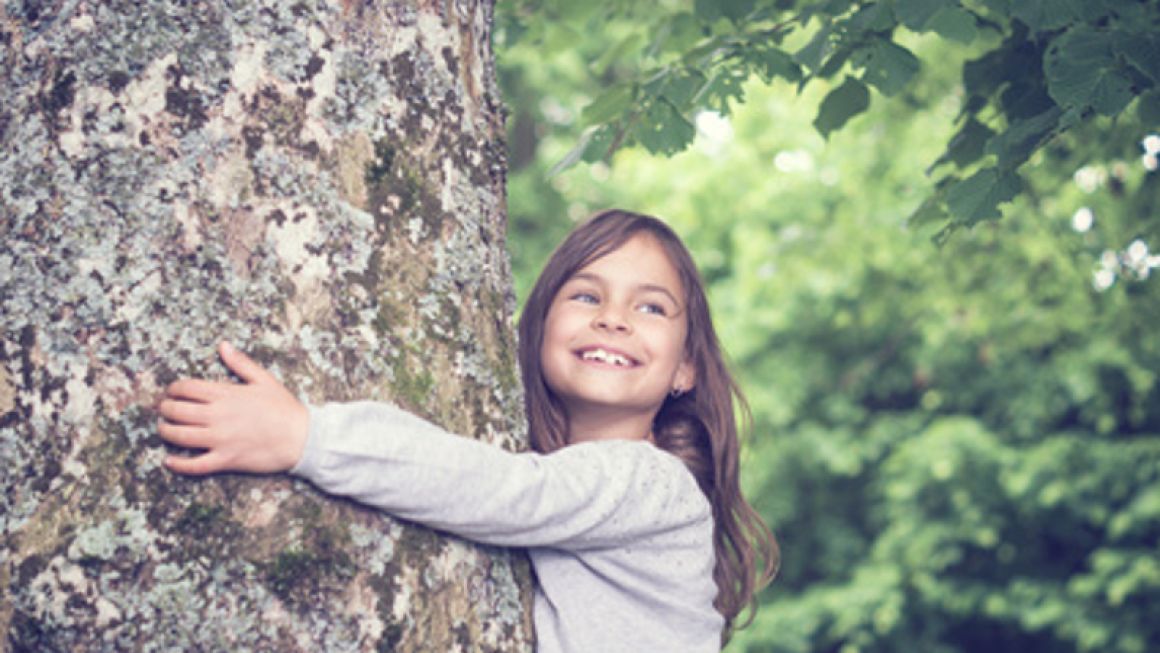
<point>319,182</point>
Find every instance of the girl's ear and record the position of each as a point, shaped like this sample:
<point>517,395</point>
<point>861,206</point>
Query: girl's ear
<point>686,376</point>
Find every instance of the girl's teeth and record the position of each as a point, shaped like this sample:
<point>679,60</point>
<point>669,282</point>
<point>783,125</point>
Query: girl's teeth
<point>603,356</point>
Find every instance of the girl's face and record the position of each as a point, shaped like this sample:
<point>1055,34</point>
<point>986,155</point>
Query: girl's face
<point>614,339</point>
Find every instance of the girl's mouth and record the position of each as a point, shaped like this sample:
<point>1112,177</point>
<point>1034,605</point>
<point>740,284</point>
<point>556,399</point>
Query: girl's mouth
<point>602,355</point>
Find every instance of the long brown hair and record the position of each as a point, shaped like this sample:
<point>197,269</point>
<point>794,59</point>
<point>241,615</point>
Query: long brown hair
<point>698,426</point>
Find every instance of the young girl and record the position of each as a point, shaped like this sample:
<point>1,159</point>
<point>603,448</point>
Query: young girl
<point>629,505</point>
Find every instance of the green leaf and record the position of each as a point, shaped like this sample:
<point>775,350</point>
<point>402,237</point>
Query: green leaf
<point>1082,71</point>
<point>626,48</point>
<point>833,64</point>
<point>1042,15</point>
<point>771,62</point>
<point>736,10</point>
<point>678,34</point>
<point>873,17</point>
<point>1148,107</point>
<point>978,197</point>
<point>841,104</point>
<point>593,145</point>
<point>1024,98</point>
<point>1139,14</point>
<point>1015,145</point>
<point>727,85</point>
<point>600,143</point>
<point>930,211</point>
<point>956,24</point>
<point>707,10</point>
<point>983,75</point>
<point>682,86</point>
<point>705,54</point>
<point>837,7</point>
<point>823,10</point>
<point>663,130</point>
<point>610,105</point>
<point>889,66</point>
<point>915,14</point>
<point>1142,51</point>
<point>1070,118</point>
<point>817,50</point>
<point>967,145</point>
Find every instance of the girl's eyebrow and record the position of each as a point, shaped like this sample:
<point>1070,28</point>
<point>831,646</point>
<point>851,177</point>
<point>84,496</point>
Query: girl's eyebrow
<point>644,287</point>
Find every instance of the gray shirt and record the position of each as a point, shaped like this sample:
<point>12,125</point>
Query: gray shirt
<point>618,531</point>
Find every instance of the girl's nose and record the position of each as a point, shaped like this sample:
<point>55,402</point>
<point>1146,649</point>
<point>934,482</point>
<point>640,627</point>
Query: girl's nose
<point>611,319</point>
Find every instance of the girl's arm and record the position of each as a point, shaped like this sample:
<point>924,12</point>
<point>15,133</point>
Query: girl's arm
<point>585,495</point>
<point>255,426</point>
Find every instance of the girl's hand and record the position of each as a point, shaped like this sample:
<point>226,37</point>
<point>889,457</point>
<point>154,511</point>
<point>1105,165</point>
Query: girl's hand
<point>255,426</point>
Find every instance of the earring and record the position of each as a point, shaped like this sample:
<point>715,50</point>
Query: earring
<point>676,392</point>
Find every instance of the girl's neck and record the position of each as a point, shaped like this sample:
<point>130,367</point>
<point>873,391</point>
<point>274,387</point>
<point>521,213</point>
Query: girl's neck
<point>586,426</point>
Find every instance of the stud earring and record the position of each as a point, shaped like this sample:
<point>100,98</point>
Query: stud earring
<point>676,392</point>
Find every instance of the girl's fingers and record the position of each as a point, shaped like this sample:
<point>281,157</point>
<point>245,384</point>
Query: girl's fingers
<point>181,435</point>
<point>195,390</point>
<point>206,463</point>
<point>182,412</point>
<point>241,364</point>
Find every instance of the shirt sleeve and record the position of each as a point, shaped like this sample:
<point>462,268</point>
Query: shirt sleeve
<point>587,495</point>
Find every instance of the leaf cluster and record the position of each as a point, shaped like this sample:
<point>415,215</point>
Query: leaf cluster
<point>1038,69</point>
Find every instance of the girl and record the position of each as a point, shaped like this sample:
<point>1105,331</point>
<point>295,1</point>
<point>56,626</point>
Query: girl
<point>629,505</point>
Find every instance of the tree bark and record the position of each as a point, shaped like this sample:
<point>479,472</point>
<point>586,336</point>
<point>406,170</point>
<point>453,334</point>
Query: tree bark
<point>320,183</point>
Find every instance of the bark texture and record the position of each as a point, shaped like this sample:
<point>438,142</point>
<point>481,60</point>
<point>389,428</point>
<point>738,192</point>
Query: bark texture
<point>319,182</point>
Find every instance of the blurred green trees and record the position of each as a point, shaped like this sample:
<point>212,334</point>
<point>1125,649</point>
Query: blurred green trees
<point>958,445</point>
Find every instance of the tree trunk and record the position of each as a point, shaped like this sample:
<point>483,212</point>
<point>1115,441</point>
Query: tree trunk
<point>320,183</point>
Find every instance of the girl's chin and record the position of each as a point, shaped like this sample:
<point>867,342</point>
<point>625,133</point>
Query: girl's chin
<point>602,405</point>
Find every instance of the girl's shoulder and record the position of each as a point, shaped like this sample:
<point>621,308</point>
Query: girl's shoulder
<point>629,453</point>
<point>625,453</point>
<point>638,470</point>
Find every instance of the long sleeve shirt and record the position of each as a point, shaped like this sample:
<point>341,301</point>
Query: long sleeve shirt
<point>619,534</point>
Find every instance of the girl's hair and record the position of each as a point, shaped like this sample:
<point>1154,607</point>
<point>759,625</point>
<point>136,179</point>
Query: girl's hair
<point>697,426</point>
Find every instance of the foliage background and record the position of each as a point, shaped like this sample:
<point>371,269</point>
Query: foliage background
<point>958,444</point>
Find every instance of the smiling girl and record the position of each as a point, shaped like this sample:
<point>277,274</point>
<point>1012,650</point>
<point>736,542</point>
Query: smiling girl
<point>629,504</point>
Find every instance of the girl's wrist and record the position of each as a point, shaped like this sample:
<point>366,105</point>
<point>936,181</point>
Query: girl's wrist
<point>299,435</point>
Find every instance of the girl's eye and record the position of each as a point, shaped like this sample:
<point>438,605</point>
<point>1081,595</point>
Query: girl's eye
<point>585,297</point>
<point>654,309</point>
